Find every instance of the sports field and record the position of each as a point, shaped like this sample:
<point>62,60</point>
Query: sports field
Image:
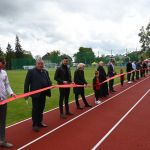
<point>18,110</point>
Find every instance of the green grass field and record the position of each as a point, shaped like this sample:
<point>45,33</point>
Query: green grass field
<point>18,110</point>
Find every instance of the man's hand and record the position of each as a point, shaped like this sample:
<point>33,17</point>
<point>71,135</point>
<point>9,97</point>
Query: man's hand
<point>26,98</point>
<point>85,85</point>
<point>65,82</point>
<point>13,95</point>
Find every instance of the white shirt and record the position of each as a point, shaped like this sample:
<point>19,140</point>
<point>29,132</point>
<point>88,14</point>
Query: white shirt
<point>5,88</point>
<point>133,66</point>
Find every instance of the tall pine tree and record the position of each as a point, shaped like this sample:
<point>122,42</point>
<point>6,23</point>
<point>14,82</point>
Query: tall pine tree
<point>9,56</point>
<point>18,48</point>
<point>1,52</point>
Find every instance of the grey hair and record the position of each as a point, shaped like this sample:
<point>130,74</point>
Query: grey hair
<point>80,65</point>
<point>39,60</point>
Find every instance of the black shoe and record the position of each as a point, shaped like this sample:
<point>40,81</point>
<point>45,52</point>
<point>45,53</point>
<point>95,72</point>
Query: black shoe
<point>6,144</point>
<point>79,107</point>
<point>63,116</point>
<point>69,113</point>
<point>36,128</point>
<point>42,125</point>
<point>88,105</point>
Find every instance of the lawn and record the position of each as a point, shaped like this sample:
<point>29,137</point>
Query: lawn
<point>18,110</point>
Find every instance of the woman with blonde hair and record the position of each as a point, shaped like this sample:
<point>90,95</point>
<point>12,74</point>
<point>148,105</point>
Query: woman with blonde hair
<point>80,79</point>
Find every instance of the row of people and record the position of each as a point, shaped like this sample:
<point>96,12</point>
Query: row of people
<point>38,78</point>
<point>139,70</point>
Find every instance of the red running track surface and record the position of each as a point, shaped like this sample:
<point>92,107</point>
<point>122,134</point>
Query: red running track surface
<point>84,131</point>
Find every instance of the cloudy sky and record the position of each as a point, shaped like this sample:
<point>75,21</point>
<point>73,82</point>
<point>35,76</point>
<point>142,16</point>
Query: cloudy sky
<point>46,25</point>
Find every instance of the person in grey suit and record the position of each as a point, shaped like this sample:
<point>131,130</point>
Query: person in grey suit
<point>38,78</point>
<point>5,90</point>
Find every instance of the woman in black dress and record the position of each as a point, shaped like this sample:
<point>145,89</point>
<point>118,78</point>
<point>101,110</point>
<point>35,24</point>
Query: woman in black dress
<point>102,77</point>
<point>80,79</point>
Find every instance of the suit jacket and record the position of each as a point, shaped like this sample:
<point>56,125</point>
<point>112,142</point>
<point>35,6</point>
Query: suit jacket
<point>62,74</point>
<point>111,72</point>
<point>129,67</point>
<point>37,79</point>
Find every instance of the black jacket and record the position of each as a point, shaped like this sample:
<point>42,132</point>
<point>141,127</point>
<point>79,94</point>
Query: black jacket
<point>111,72</point>
<point>129,67</point>
<point>79,79</point>
<point>102,74</point>
<point>62,74</point>
<point>37,79</point>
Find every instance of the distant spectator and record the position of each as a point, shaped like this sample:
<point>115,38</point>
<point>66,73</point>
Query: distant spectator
<point>122,77</point>
<point>134,69</point>
<point>129,69</point>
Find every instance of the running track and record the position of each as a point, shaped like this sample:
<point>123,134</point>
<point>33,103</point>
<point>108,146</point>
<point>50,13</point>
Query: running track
<point>121,122</point>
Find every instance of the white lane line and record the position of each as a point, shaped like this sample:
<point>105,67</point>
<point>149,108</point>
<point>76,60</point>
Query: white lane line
<point>51,131</point>
<point>118,123</point>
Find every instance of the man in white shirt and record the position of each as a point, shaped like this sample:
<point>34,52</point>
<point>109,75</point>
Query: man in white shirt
<point>134,68</point>
<point>5,90</point>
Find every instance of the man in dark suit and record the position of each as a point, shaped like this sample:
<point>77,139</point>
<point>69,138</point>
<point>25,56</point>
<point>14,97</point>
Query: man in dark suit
<point>111,73</point>
<point>63,76</point>
<point>38,78</point>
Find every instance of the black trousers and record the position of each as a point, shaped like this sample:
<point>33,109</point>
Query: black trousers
<point>128,76</point>
<point>38,105</point>
<point>3,112</point>
<point>137,75</point>
<point>96,93</point>
<point>64,96</point>
<point>133,74</point>
<point>111,84</point>
<point>121,81</point>
<point>80,92</point>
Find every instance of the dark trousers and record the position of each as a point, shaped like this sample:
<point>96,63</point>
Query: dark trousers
<point>141,73</point>
<point>133,74</point>
<point>128,76</point>
<point>3,112</point>
<point>111,83</point>
<point>96,92</point>
<point>64,96</point>
<point>137,75</point>
<point>121,81</point>
<point>38,105</point>
<point>83,98</point>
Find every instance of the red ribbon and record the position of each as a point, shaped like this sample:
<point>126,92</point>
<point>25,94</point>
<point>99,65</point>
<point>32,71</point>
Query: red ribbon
<point>58,86</point>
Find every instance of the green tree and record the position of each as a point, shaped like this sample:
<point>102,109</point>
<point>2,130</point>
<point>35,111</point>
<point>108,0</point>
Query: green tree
<point>53,56</point>
<point>1,52</point>
<point>145,41</point>
<point>84,55</point>
<point>10,54</point>
<point>18,48</point>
